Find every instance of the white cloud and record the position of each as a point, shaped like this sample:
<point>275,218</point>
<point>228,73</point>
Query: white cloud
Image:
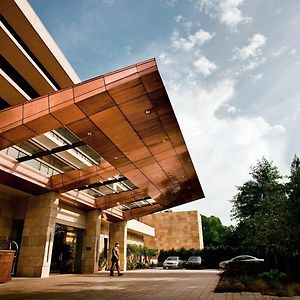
<point>226,11</point>
<point>231,109</point>
<point>186,44</point>
<point>257,77</point>
<point>204,66</point>
<point>253,49</point>
<point>279,52</point>
<point>224,140</point>
<point>204,100</point>
<point>188,26</point>
<point>252,53</point>
<point>165,58</point>
<point>253,64</point>
<point>178,18</point>
<point>171,2</point>
<point>222,149</point>
<point>277,129</point>
<point>283,50</point>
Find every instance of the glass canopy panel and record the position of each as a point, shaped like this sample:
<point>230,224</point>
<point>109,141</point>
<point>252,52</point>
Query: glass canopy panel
<point>41,165</point>
<point>35,152</point>
<point>104,190</point>
<point>93,192</point>
<point>136,204</point>
<point>31,147</point>
<point>117,186</point>
<point>129,184</point>
<point>86,150</point>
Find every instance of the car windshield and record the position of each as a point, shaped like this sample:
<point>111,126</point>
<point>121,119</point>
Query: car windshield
<point>194,258</point>
<point>173,258</point>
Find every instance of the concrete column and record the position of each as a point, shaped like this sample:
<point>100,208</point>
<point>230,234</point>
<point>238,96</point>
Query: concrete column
<point>118,233</point>
<point>91,244</point>
<point>38,236</point>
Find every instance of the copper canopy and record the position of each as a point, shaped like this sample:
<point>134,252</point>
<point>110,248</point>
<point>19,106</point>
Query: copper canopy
<point>127,118</point>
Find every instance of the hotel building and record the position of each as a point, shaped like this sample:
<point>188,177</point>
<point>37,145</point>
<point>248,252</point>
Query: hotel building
<point>80,162</point>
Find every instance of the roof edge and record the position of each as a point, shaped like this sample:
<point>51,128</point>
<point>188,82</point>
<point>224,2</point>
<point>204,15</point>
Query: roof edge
<point>44,34</point>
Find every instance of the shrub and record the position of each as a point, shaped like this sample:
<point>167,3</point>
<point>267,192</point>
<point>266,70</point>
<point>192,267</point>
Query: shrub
<point>273,277</point>
<point>272,282</point>
<point>229,285</point>
<point>139,257</point>
<point>102,262</point>
<point>131,265</point>
<point>295,288</point>
<point>244,268</point>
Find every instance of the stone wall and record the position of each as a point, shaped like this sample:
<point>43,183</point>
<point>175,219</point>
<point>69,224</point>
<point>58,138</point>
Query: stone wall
<point>38,235</point>
<point>135,239</point>
<point>174,230</point>
<point>91,242</point>
<point>7,210</point>
<point>118,233</point>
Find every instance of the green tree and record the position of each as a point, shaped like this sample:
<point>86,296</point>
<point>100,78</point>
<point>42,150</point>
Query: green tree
<point>260,207</point>
<point>252,193</point>
<point>214,233</point>
<point>293,191</point>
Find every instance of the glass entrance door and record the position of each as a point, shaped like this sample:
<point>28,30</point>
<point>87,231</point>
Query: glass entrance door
<point>67,249</point>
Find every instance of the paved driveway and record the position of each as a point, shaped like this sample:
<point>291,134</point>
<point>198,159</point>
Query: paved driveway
<point>141,285</point>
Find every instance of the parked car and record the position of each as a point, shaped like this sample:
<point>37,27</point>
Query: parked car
<point>172,262</point>
<point>248,258</point>
<point>194,262</point>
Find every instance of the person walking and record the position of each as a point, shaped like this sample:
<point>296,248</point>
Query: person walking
<point>115,260</point>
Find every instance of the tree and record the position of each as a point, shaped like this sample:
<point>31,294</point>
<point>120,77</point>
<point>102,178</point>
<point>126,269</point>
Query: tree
<point>252,193</point>
<point>260,206</point>
<point>293,191</point>
<point>214,233</point>
<point>268,215</point>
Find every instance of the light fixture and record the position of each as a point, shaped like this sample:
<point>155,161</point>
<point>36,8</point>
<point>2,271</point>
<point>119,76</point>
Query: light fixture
<point>147,111</point>
<point>116,157</point>
<point>89,134</point>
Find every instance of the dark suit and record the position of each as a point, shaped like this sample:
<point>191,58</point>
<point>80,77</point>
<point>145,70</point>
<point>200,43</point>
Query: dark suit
<point>115,260</point>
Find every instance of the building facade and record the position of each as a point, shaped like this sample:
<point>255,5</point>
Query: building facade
<point>175,230</point>
<point>80,161</point>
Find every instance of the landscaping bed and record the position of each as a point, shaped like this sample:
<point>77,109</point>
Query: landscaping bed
<point>271,282</point>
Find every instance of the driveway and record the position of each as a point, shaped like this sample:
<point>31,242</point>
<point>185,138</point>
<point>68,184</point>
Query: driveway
<point>142,285</point>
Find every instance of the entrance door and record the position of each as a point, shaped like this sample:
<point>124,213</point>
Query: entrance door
<point>67,249</point>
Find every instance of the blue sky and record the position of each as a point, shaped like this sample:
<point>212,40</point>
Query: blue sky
<point>231,69</point>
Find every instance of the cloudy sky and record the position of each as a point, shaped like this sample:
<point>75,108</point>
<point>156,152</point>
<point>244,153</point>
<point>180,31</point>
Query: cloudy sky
<point>231,69</point>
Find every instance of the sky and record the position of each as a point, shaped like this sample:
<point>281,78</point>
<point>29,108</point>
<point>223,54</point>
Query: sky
<point>231,69</point>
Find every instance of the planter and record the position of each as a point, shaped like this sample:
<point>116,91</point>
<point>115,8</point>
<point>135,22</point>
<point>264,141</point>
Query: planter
<point>102,264</point>
<point>6,263</point>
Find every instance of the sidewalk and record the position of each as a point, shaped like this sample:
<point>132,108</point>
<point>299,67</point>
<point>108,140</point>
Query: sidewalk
<point>144,284</point>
